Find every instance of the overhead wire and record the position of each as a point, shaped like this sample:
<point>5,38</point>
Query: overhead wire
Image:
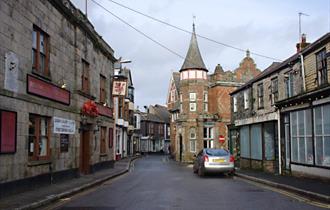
<point>198,35</point>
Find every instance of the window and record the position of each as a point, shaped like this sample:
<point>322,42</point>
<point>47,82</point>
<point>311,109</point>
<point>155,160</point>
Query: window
<point>151,128</point>
<point>321,66</point>
<point>269,140</point>
<point>246,99</point>
<point>274,90</point>
<point>120,107</point>
<point>205,97</point>
<point>192,145</point>
<point>103,149</point>
<point>192,107</point>
<point>301,137</point>
<point>208,137</point>
<point>40,52</point>
<point>205,107</point>
<point>244,141</point>
<point>235,103</point>
<point>64,142</point>
<point>192,133</point>
<point>256,142</point>
<point>289,85</point>
<point>8,132</point>
<point>260,96</point>
<point>192,96</point>
<point>102,89</point>
<point>322,135</point>
<point>110,137</point>
<point>85,77</point>
<point>39,134</point>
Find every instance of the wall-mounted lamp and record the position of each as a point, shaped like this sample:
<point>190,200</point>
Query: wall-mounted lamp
<point>61,83</point>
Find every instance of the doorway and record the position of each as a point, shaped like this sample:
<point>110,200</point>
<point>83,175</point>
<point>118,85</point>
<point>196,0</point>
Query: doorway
<point>181,145</point>
<point>85,151</point>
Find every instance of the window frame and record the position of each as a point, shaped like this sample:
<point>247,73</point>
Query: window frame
<point>321,67</point>
<point>85,82</point>
<point>36,138</point>
<point>37,54</point>
<point>235,103</point>
<point>192,107</point>
<point>274,90</point>
<point>260,95</point>
<point>103,91</point>
<point>192,97</point>
<point>246,99</point>
<point>103,144</point>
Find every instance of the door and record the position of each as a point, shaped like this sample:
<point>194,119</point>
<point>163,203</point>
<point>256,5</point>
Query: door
<point>84,152</point>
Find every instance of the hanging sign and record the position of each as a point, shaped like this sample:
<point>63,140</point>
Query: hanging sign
<point>119,88</point>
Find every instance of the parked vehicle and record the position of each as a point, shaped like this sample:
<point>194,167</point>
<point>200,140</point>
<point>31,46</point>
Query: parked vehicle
<point>214,160</point>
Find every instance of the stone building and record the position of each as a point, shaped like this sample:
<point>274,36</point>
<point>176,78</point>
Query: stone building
<point>200,103</point>
<point>279,120</point>
<point>55,73</point>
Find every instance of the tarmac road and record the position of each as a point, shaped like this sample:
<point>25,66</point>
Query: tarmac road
<point>155,182</point>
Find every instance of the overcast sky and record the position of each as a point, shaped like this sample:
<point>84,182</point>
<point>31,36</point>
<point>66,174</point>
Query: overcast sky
<point>265,27</point>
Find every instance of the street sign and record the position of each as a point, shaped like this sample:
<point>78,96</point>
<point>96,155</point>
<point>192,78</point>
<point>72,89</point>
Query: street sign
<point>221,139</point>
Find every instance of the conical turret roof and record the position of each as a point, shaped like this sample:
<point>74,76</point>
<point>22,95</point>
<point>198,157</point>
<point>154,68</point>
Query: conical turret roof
<point>193,58</point>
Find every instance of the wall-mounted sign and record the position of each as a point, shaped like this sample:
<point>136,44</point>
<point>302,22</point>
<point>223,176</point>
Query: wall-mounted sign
<point>119,88</point>
<point>11,72</point>
<point>104,110</point>
<point>47,90</point>
<point>64,126</point>
<point>64,141</point>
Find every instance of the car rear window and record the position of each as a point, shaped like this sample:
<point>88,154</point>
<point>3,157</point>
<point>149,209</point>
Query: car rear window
<point>216,152</point>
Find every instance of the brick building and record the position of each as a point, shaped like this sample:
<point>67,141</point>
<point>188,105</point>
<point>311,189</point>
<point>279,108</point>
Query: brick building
<point>280,118</point>
<point>200,103</point>
<point>55,70</point>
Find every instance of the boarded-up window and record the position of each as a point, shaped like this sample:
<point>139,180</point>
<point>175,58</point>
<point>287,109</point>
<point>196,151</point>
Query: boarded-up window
<point>102,140</point>
<point>8,132</point>
<point>102,89</point>
<point>110,137</point>
<point>245,142</point>
<point>85,77</point>
<point>256,142</point>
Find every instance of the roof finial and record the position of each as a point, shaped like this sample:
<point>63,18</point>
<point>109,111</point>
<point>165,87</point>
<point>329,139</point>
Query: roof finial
<point>248,53</point>
<point>194,18</point>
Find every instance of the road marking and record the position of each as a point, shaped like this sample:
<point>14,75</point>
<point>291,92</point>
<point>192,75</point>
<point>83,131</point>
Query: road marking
<point>288,194</point>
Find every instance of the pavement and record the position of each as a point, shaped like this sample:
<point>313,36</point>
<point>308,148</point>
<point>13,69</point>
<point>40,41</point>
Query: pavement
<point>42,196</point>
<point>310,188</point>
<point>314,189</point>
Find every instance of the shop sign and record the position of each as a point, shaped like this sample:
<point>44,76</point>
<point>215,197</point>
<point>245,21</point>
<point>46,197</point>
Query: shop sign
<point>64,126</point>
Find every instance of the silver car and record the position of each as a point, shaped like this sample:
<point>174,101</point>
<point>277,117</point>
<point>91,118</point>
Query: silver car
<point>214,160</point>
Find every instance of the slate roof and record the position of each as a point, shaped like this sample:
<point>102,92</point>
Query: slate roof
<point>150,117</point>
<point>162,113</point>
<point>193,58</point>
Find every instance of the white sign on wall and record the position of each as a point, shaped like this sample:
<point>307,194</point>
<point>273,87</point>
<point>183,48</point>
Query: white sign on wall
<point>11,72</point>
<point>64,126</point>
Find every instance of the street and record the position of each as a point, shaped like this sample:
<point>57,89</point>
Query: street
<point>155,182</point>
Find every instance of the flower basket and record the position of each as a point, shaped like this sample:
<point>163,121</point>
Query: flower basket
<point>90,109</point>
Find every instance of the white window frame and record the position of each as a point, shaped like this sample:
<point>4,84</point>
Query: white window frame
<point>205,107</point>
<point>246,99</point>
<point>205,97</point>
<point>193,145</point>
<point>192,107</point>
<point>192,96</point>
<point>235,103</point>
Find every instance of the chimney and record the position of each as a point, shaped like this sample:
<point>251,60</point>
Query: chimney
<point>300,46</point>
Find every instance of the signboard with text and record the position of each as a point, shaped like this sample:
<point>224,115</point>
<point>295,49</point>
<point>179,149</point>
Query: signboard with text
<point>64,126</point>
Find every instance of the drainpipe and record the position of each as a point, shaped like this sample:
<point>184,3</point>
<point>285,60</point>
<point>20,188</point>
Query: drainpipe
<point>279,142</point>
<point>303,71</point>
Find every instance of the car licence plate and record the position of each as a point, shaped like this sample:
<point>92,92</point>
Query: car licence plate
<point>218,160</point>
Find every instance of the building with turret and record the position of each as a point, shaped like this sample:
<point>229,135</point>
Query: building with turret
<point>199,102</point>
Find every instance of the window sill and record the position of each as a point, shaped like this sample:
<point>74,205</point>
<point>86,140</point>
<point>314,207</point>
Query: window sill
<point>103,155</point>
<point>45,77</point>
<point>87,95</point>
<point>39,162</point>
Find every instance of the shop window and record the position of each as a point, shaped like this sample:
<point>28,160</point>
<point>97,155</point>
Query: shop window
<point>39,135</point>
<point>256,142</point>
<point>40,52</point>
<point>85,77</point>
<point>301,137</point>
<point>244,141</point>
<point>8,132</point>
<point>103,92</point>
<point>322,135</point>
<point>321,66</point>
<point>103,132</point>
<point>269,135</point>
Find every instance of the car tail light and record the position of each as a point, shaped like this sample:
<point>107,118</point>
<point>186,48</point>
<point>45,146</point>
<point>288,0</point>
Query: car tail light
<point>206,158</point>
<point>232,159</point>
